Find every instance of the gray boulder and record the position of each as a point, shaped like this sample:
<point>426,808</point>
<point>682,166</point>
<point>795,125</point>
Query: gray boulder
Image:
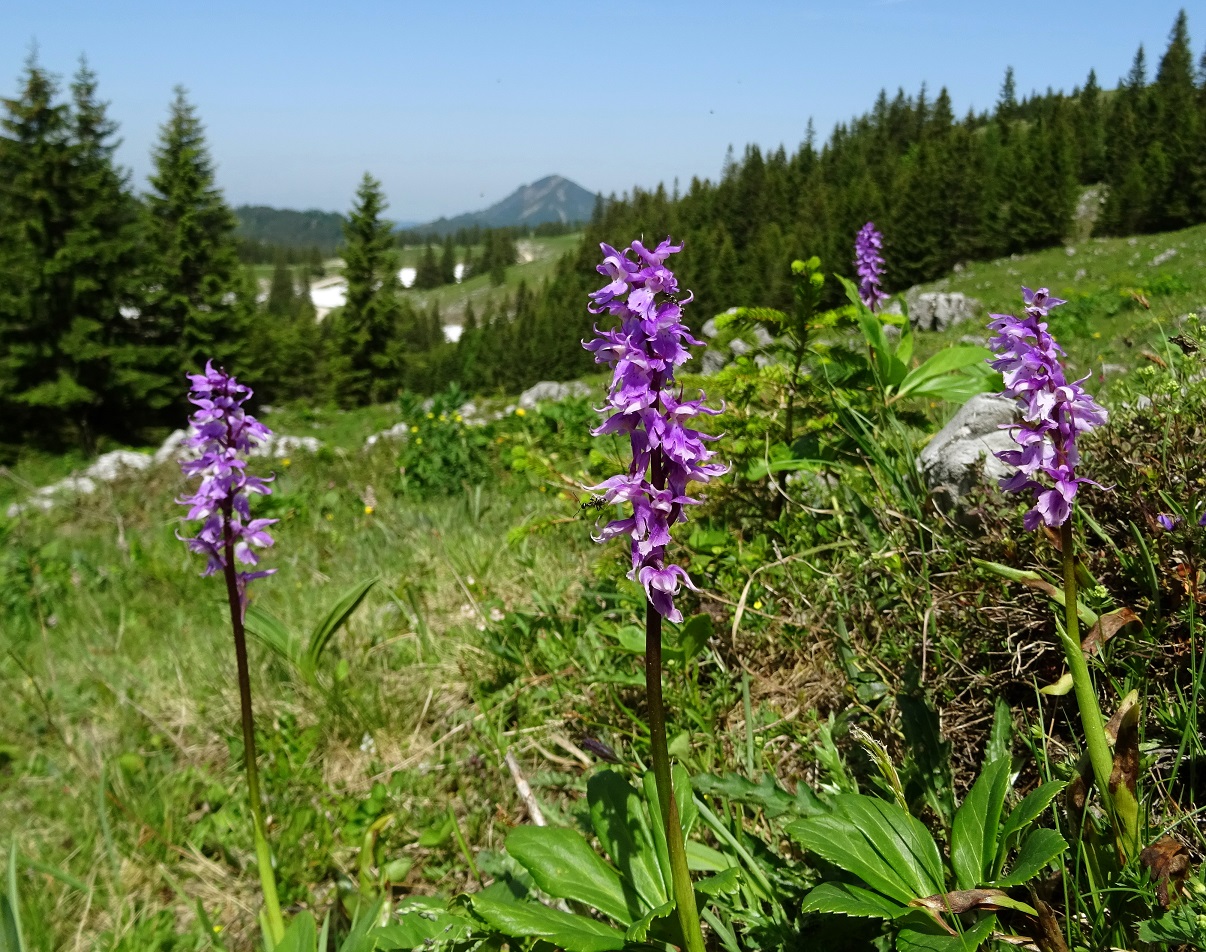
<point>282,445</point>
<point>46,497</point>
<point>172,448</point>
<point>110,466</point>
<point>965,447</point>
<point>938,310</point>
<point>548,391</point>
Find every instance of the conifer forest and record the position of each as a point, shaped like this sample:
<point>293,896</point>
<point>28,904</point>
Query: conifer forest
<point>809,558</point>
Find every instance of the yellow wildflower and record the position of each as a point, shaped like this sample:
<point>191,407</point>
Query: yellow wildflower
<point>286,461</point>
<point>521,412</point>
<point>368,510</point>
<point>758,605</point>
<point>414,429</point>
<point>430,416</point>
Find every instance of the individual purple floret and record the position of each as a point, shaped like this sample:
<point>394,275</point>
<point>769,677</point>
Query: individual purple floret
<point>1168,521</point>
<point>667,454</point>
<point>1053,410</point>
<point>869,261</point>
<point>220,432</point>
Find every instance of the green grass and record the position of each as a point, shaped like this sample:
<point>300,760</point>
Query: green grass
<point>497,623</point>
<point>1105,281</point>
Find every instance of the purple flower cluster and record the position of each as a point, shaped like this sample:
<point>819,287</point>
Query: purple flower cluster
<point>869,260</point>
<point>643,350</point>
<point>221,431</point>
<point>1054,411</point>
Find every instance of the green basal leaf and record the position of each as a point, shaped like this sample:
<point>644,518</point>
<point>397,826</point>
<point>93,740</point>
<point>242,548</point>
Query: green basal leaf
<point>335,619</point>
<point>523,920</point>
<point>563,865</point>
<point>976,825</point>
<point>619,821</point>
<point>705,859</point>
<point>693,637</point>
<point>846,900</point>
<point>301,936</point>
<point>271,632</point>
<point>11,934</point>
<point>877,841</point>
<point>1037,850</point>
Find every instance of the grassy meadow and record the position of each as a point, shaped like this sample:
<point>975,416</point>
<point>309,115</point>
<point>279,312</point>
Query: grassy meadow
<point>840,606</point>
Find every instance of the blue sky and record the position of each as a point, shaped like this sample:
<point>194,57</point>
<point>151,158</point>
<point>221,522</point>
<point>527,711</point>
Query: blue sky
<point>454,104</point>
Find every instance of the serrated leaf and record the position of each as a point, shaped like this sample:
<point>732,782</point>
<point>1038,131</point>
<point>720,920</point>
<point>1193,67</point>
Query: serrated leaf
<point>1037,850</point>
<point>846,900</point>
<point>1030,809</point>
<point>977,824</point>
<point>639,930</point>
<point>723,883</point>
<point>523,920</point>
<point>620,824</point>
<point>563,865</point>
<point>766,794</point>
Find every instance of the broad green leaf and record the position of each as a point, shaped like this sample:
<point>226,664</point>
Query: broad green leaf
<point>531,920</point>
<point>268,630</point>
<point>693,637</point>
<point>916,940</point>
<point>631,639</point>
<point>1000,737</point>
<point>688,813</point>
<point>890,370</point>
<point>564,866</point>
<point>705,859</point>
<point>722,884</point>
<point>877,841</point>
<point>846,900</point>
<point>1037,850</point>
<point>1179,926</point>
<point>1030,809</point>
<point>621,826</point>
<point>949,360</point>
<point>301,936</point>
<point>366,920</point>
<point>335,619</point>
<point>977,823</point>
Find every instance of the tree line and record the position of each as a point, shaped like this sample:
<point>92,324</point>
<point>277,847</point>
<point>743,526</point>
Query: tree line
<point>107,296</point>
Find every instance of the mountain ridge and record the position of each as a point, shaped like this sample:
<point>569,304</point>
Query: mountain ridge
<point>553,198</point>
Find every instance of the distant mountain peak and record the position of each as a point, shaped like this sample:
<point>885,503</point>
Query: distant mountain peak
<point>553,198</point>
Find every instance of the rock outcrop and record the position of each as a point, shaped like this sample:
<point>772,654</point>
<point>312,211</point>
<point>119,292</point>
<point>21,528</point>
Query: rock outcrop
<point>963,449</point>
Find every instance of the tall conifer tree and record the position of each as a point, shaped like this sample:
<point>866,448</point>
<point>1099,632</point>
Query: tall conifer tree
<point>192,278</point>
<point>368,321</point>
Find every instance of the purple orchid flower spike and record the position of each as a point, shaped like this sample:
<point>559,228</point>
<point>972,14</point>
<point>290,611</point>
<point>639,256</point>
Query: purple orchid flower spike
<point>869,262</point>
<point>222,432</point>
<point>1054,412</point>
<point>643,352</point>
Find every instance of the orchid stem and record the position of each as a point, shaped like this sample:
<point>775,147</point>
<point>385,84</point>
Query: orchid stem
<point>1120,803</point>
<point>263,855</point>
<point>684,892</point>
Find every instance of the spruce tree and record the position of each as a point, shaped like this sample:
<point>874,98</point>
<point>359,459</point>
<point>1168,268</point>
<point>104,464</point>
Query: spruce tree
<point>37,389</point>
<point>368,322</point>
<point>192,275</point>
<point>448,262</point>
<point>1172,168</point>
<point>102,253</point>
